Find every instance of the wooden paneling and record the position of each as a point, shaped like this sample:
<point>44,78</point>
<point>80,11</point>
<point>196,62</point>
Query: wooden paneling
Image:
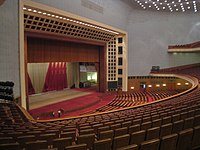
<point>46,50</point>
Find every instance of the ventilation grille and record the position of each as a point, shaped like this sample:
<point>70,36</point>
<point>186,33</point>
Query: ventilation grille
<point>41,23</point>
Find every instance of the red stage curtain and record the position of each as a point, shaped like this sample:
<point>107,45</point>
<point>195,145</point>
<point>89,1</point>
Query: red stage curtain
<point>56,77</point>
<point>31,89</point>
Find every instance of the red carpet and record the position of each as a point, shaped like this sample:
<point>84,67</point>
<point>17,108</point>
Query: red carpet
<point>150,99</point>
<point>73,107</point>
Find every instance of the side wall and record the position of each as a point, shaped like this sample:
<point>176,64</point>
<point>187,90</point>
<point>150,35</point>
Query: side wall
<point>151,33</point>
<point>9,44</point>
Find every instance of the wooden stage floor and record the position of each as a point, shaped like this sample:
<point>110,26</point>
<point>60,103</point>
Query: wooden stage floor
<point>47,98</point>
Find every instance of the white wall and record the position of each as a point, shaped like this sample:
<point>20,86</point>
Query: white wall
<point>150,33</point>
<point>113,12</point>
<point>9,45</point>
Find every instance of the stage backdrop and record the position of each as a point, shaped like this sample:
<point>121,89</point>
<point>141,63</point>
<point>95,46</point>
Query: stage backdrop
<point>38,73</point>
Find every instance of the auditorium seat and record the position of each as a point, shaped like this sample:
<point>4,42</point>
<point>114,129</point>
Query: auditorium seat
<point>39,144</point>
<point>150,145</point>
<point>104,144</point>
<point>77,147</point>
<point>156,123</point>
<point>106,134</point>
<point>152,133</point>
<point>120,131</point>
<point>185,139</point>
<point>10,146</point>
<point>120,141</point>
<point>165,129</point>
<point>137,137</point>
<point>197,120</point>
<point>129,147</point>
<point>127,124</point>
<point>6,140</point>
<point>86,131</point>
<point>146,125</point>
<point>166,120</point>
<point>27,138</point>
<point>87,139</point>
<point>48,137</point>
<point>169,142</point>
<point>61,143</point>
<point>177,126</point>
<point>68,134</point>
<point>133,128</point>
<point>175,117</point>
<point>188,123</point>
<point>196,138</point>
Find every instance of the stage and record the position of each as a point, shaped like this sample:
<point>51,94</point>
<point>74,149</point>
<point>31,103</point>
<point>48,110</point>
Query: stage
<point>73,102</point>
<point>47,98</point>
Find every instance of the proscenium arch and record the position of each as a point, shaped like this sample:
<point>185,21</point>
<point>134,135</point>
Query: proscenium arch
<point>108,30</point>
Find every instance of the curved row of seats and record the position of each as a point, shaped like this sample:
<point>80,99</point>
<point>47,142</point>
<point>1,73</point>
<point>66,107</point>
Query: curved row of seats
<point>174,122</point>
<point>161,94</point>
<point>136,98</point>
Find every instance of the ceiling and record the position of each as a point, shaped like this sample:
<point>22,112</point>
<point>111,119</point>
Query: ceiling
<point>172,6</point>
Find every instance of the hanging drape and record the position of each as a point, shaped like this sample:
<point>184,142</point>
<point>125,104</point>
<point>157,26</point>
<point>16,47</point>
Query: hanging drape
<point>56,77</point>
<point>31,89</point>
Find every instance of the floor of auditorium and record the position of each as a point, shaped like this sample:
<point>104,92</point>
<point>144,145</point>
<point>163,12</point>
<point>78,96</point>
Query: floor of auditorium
<point>72,102</point>
<point>47,98</point>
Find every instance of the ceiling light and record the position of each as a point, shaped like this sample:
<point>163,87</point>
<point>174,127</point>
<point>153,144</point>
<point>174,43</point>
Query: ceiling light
<point>29,9</point>
<point>34,10</point>
<point>24,8</point>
